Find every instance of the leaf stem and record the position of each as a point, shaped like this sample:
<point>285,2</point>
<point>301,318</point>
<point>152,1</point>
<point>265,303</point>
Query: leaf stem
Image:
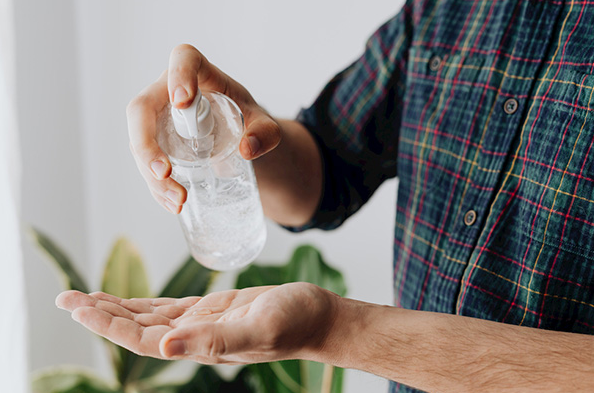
<point>285,378</point>
<point>327,377</point>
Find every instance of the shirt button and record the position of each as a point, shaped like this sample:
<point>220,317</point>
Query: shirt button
<point>470,217</point>
<point>511,106</point>
<point>434,63</point>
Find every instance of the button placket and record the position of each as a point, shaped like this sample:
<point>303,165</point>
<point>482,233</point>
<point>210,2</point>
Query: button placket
<point>510,106</point>
<point>470,218</point>
<point>434,63</point>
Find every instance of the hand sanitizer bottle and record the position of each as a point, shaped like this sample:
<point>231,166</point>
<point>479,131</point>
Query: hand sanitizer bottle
<point>222,218</point>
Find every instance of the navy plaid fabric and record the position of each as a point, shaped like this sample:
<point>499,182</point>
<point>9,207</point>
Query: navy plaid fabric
<point>483,109</point>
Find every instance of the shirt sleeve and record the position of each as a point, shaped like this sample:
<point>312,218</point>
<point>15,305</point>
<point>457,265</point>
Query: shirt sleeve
<point>355,122</point>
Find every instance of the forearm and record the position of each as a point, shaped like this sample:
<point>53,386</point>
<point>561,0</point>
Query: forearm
<point>447,353</point>
<point>290,176</point>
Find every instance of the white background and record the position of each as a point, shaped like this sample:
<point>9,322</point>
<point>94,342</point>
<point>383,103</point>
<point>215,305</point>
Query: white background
<point>13,324</point>
<point>78,65</point>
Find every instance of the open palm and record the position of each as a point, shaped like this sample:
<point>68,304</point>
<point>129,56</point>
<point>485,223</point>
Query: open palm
<point>251,325</point>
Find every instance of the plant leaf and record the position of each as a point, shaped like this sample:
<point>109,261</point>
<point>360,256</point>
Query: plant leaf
<point>69,380</point>
<point>244,382</point>
<point>143,367</point>
<point>73,279</point>
<point>256,275</point>
<point>192,279</point>
<point>296,376</point>
<point>124,275</point>
<point>306,264</point>
<point>207,380</point>
<point>271,380</point>
<point>161,389</point>
<point>337,378</point>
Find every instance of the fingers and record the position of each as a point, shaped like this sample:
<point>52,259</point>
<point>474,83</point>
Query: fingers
<point>218,329</point>
<point>184,63</point>
<point>122,331</point>
<point>188,68</point>
<point>166,307</point>
<point>167,192</point>
<point>262,135</point>
<point>214,331</point>
<point>211,342</point>
<point>143,114</point>
<point>160,311</point>
<point>70,300</point>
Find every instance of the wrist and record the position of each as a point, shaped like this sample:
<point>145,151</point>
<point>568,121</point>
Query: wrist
<point>347,340</point>
<point>290,176</point>
<point>370,337</point>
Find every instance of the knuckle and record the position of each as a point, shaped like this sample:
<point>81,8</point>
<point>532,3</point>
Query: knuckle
<point>275,133</point>
<point>185,61</point>
<point>183,194</point>
<point>145,150</point>
<point>158,189</point>
<point>185,48</point>
<point>216,347</point>
<point>138,103</point>
<point>158,198</point>
<point>274,342</point>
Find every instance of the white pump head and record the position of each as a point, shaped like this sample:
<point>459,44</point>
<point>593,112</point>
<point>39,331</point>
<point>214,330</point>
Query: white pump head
<point>195,121</point>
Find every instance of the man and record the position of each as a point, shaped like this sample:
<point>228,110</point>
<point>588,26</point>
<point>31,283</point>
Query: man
<point>483,110</point>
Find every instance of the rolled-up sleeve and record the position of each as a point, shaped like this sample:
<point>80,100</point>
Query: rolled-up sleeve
<point>355,122</point>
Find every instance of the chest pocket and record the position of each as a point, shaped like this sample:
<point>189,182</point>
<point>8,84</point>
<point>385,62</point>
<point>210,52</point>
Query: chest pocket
<point>437,117</point>
<point>560,167</point>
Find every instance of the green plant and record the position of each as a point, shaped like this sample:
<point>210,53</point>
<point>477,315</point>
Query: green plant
<point>125,276</point>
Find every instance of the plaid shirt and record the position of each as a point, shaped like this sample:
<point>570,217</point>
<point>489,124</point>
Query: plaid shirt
<point>483,110</point>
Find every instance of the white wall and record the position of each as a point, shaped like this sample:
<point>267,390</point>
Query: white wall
<point>13,324</point>
<point>52,170</point>
<point>81,183</point>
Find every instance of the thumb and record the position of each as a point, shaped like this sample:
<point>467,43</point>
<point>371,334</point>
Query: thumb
<point>208,341</point>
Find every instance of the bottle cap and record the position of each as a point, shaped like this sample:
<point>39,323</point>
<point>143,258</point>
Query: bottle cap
<point>194,121</point>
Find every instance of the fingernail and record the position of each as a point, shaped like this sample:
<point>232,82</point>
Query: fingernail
<point>180,95</point>
<point>254,144</point>
<point>172,196</point>
<point>158,168</point>
<point>176,348</point>
<point>58,301</point>
<point>75,316</point>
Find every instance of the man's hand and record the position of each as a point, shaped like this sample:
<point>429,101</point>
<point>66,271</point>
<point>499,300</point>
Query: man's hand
<point>188,70</point>
<point>240,326</point>
<point>430,351</point>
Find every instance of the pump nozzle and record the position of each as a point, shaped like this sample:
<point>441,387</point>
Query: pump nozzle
<point>195,121</point>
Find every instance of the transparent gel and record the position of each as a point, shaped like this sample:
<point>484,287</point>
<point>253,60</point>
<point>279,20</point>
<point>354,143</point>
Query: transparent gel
<point>222,217</point>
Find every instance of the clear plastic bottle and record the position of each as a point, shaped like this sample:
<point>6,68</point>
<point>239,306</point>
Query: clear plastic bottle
<point>222,218</point>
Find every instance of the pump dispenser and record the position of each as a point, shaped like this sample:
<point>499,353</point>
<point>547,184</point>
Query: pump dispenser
<point>222,218</point>
<point>194,122</point>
